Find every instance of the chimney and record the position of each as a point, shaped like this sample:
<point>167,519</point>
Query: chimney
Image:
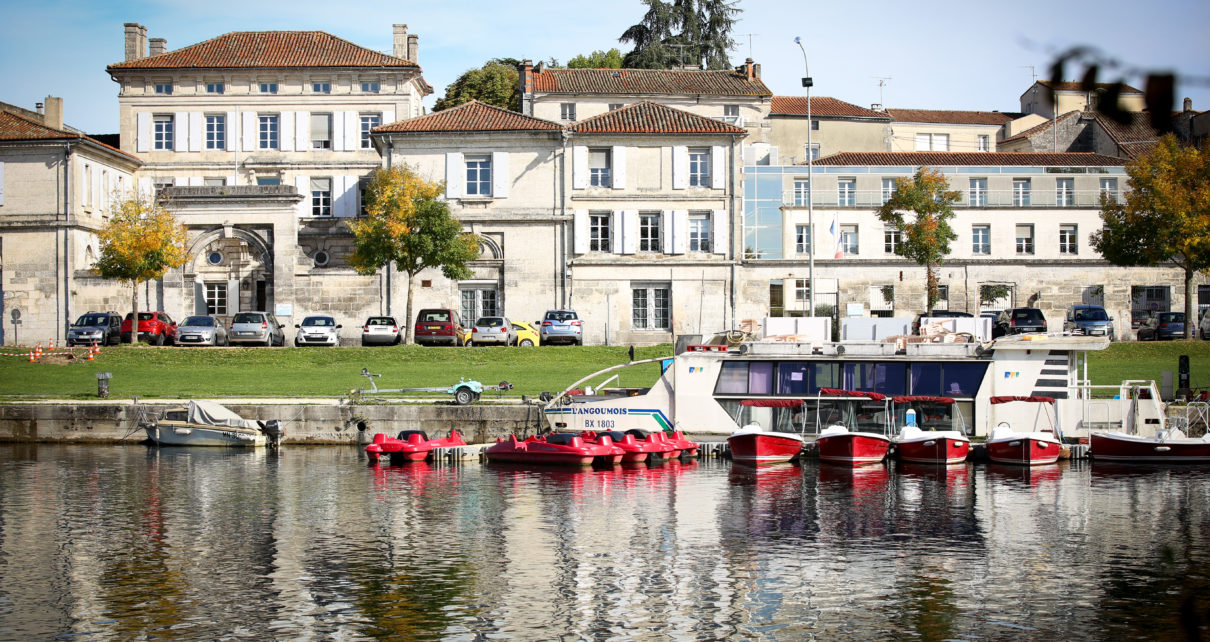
<point>38,107</point>
<point>401,42</point>
<point>525,74</point>
<point>158,46</point>
<point>748,68</point>
<point>1188,104</point>
<point>136,41</point>
<point>54,113</point>
<point>413,47</point>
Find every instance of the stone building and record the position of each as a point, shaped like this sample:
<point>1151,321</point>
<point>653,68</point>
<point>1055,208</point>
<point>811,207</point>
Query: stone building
<point>836,126</point>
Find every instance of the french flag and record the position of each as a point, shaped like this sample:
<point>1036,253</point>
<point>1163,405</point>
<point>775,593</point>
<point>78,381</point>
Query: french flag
<point>836,236</point>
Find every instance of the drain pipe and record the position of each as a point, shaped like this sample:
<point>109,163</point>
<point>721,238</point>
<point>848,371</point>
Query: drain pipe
<point>66,307</point>
<point>564,295</point>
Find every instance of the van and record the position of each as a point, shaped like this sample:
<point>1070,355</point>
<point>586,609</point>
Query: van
<point>440,327</point>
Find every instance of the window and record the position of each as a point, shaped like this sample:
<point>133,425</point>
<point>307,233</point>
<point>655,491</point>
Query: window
<point>159,183</point>
<point>932,142</point>
<point>164,88</point>
<point>802,191</point>
<point>981,239</point>
<point>598,232</point>
<point>268,88</point>
<point>649,232</point>
<point>567,111</point>
<point>846,191</point>
<point>802,239</point>
<point>321,197</point>
<point>216,131</point>
<point>802,290</point>
<point>161,132</point>
<point>891,239</point>
<point>699,167</point>
<point>1069,242</point>
<point>268,130</point>
<point>600,162</point>
<point>1065,192</point>
<point>699,231</point>
<point>888,189</point>
<point>479,302</point>
<point>848,239</point>
<point>615,106</point>
<point>1025,239</point>
<point>811,150</point>
<point>984,143</point>
<point>321,131</point>
<point>268,180</point>
<point>368,123</point>
<point>369,87</point>
<point>214,181</point>
<point>1109,189</point>
<point>321,87</point>
<point>978,192</point>
<point>650,308</point>
<point>215,88</point>
<point>943,297</point>
<point>478,175</point>
<point>216,298</point>
<point>815,127</point>
<point>1020,192</point>
<point>731,113</point>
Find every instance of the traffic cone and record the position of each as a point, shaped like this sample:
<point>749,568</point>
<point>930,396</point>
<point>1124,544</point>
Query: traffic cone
<point>38,350</point>
<point>32,357</point>
<point>91,351</point>
<point>50,345</point>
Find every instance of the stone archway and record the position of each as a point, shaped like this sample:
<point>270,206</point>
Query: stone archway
<point>230,269</point>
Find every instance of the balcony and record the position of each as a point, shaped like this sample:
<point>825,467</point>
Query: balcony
<point>872,199</point>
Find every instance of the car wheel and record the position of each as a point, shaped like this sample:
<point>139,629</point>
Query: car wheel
<point>526,343</point>
<point>297,344</point>
<point>580,342</point>
<point>464,396</point>
<point>159,339</point>
<point>469,344</point>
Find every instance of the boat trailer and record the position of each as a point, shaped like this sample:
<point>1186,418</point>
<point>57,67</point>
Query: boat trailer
<point>465,391</point>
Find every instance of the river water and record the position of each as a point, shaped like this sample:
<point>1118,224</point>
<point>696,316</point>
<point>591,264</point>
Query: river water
<point>119,542</point>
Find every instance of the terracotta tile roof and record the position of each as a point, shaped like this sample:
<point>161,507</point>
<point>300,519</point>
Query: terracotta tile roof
<point>473,116</point>
<point>1015,159</point>
<point>246,49</point>
<point>652,118</point>
<point>18,128</point>
<point>1077,86</point>
<point>821,106</point>
<point>1134,138</point>
<point>647,81</point>
<point>949,117</point>
<point>1041,127</point>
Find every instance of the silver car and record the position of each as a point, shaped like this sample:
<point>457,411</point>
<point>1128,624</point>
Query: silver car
<point>317,331</point>
<point>201,331</point>
<point>493,331</point>
<point>257,328</point>
<point>380,331</point>
<point>562,326</point>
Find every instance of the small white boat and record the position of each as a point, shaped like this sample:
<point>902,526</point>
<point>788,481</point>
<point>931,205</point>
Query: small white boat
<point>205,423</point>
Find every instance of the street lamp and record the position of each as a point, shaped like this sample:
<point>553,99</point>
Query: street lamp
<point>807,82</point>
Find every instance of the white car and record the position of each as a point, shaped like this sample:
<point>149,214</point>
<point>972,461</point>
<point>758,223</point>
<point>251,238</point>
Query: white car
<point>317,331</point>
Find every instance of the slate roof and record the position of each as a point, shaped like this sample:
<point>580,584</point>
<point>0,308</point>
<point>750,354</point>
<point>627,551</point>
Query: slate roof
<point>1014,159</point>
<point>647,81</point>
<point>647,117</point>
<point>14,127</point>
<point>1077,86</point>
<point>473,116</point>
<point>260,49</point>
<point>949,116</point>
<point>821,106</point>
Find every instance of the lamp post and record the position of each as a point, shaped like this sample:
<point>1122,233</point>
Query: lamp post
<point>807,82</point>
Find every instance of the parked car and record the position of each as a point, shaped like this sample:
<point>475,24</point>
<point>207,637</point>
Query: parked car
<point>1165,325</point>
<point>527,334</point>
<point>154,327</point>
<point>256,328</point>
<point>101,328</point>
<point>562,326</point>
<point>440,326</point>
<point>201,330</point>
<point>380,331</point>
<point>493,331</point>
<point>317,331</point>
<point>1091,320</point>
<point>937,314</point>
<point>1138,318</point>
<point>1203,326</point>
<point>1019,321</point>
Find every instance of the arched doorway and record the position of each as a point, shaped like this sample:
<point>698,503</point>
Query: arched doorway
<point>231,270</point>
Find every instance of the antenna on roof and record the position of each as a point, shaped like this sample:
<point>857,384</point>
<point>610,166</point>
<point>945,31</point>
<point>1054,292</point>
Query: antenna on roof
<point>749,41</point>
<point>680,54</point>
<point>881,83</point>
<point>1033,74</point>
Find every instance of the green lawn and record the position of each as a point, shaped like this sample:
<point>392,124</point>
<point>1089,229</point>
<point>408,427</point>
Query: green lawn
<point>326,372</point>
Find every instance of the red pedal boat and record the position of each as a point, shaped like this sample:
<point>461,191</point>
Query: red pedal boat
<point>1006,446</point>
<point>839,445</point>
<point>661,447</point>
<point>929,446</point>
<point>635,451</point>
<point>677,439</point>
<point>410,445</point>
<point>566,449</point>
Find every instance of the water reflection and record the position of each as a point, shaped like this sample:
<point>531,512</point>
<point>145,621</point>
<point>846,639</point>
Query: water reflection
<point>125,542</point>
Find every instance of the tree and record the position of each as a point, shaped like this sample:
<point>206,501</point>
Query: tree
<point>495,83</point>
<point>926,237</point>
<point>682,31</point>
<point>140,243</point>
<point>1164,218</point>
<point>598,59</point>
<point>406,224</point>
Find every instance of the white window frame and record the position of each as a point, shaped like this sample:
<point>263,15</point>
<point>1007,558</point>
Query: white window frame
<point>1109,187</point>
<point>600,232</point>
<point>846,192</point>
<point>216,297</point>
<point>478,300</point>
<point>567,111</point>
<point>600,167</point>
<point>615,106</point>
<point>802,239</point>
<point>811,150</point>
<point>268,131</point>
<point>928,142</point>
<point>888,189</point>
<point>163,132</point>
<point>1025,239</point>
<point>891,239</point>
<point>981,239</point>
<point>1021,192</point>
<point>370,87</point>
<point>1065,192</point>
<point>321,87</point>
<point>802,191</point>
<point>849,240</point>
<point>1069,239</point>
<point>976,196</point>
<point>268,88</point>
<point>802,290</point>
<point>651,232</point>
<point>163,88</point>
<point>320,129</point>
<point>216,131</point>
<point>478,173</point>
<point>699,167</point>
<point>699,232</point>
<point>321,199</point>
<point>368,123</point>
<point>216,88</point>
<point>984,143</point>
<point>646,310</point>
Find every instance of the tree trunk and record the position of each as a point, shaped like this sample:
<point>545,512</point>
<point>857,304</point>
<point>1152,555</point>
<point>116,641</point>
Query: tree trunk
<point>1190,305</point>
<point>930,288</point>
<point>134,315</point>
<point>407,320</point>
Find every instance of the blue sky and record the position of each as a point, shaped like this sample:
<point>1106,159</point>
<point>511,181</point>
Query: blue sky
<point>938,55</point>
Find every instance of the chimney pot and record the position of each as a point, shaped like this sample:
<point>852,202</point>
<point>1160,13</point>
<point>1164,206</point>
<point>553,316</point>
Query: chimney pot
<point>38,107</point>
<point>1188,104</point>
<point>157,46</point>
<point>401,41</point>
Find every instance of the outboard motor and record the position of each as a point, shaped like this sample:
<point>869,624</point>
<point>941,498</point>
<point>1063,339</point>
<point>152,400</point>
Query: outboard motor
<point>274,430</point>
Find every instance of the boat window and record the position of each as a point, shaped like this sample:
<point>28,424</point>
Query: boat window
<point>760,378</point>
<point>962,379</point>
<point>926,379</point>
<point>825,375</point>
<point>792,378</point>
<point>732,378</point>
<point>886,378</point>
<point>937,416</point>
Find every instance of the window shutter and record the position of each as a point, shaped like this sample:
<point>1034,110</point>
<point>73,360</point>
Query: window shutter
<point>249,133</point>
<point>388,116</point>
<point>229,129</point>
<point>455,175</point>
<point>619,167</point>
<point>199,297</point>
<point>718,231</point>
<point>338,131</point>
<point>941,142</point>
<point>233,296</point>
<point>197,121</point>
<point>630,230</point>
<point>303,184</point>
<point>194,181</point>
<point>348,195</point>
<point>180,131</point>
<point>302,131</point>
<point>285,125</point>
<point>667,229</point>
<point>579,167</point>
<point>352,130</point>
<point>579,242</point>
<point>718,167</point>
<point>680,231</point>
<point>923,142</point>
<point>615,231</point>
<point>500,176</point>
<point>143,134</point>
<point>680,167</point>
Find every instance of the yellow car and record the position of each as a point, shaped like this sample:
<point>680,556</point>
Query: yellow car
<point>527,336</point>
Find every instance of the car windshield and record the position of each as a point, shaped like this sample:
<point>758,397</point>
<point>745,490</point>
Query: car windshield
<point>435,315</point>
<point>1172,317</point>
<point>91,319</point>
<point>380,321</point>
<point>560,315</point>
<point>1090,314</point>
<point>199,322</point>
<point>490,322</point>
<point>323,322</point>
<point>248,317</point>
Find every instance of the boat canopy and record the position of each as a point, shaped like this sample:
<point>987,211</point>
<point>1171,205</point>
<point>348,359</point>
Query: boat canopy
<point>773,403</point>
<point>208,413</point>
<point>996,400</point>
<point>837,392</point>
<point>925,398</point>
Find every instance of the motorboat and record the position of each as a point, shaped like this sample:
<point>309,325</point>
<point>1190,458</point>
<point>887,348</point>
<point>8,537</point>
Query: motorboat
<point>752,444</point>
<point>838,444</point>
<point>206,423</point>
<point>1007,446</point>
<point>915,444</point>
<point>557,448</point>
<point>1168,445</point>
<point>410,445</point>
<point>634,451</point>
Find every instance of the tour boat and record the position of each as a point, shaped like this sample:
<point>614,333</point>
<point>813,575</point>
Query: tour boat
<point>410,445</point>
<point>1168,445</point>
<point>205,423</point>
<point>557,449</point>
<point>1006,446</point>
<point>634,451</point>
<point>839,445</point>
<point>929,446</point>
<point>754,445</point>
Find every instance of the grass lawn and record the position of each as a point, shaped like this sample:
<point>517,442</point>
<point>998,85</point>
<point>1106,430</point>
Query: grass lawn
<point>331,372</point>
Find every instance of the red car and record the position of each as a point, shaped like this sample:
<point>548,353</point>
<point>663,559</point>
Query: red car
<point>154,327</point>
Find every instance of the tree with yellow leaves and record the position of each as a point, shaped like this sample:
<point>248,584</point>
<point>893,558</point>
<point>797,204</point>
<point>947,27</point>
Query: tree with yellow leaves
<point>1164,218</point>
<point>925,237</point>
<point>406,224</point>
<point>140,243</point>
